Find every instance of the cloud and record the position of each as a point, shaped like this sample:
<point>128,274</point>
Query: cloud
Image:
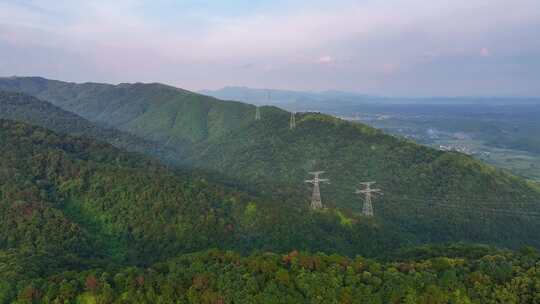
<point>484,52</point>
<point>326,60</point>
<point>247,66</point>
<point>389,68</point>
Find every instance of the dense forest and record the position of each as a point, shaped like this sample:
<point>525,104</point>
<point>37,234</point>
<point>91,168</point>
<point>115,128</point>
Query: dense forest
<point>153,111</point>
<point>26,108</point>
<point>429,195</point>
<point>467,275</point>
<point>82,220</point>
<point>74,195</point>
<point>434,195</point>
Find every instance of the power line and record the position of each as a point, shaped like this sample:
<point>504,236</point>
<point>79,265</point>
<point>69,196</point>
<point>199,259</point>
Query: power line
<point>432,202</point>
<point>478,201</point>
<point>472,209</point>
<point>506,211</point>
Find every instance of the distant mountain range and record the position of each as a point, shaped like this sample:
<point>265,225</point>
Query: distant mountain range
<point>271,96</point>
<point>336,100</point>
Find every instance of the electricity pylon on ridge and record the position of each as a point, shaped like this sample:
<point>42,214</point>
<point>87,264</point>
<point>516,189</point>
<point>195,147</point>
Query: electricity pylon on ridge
<point>257,113</point>
<point>367,209</point>
<point>268,96</point>
<point>292,121</point>
<point>316,201</point>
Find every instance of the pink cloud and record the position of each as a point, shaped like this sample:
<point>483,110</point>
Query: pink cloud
<point>326,60</point>
<point>484,52</point>
<point>389,68</point>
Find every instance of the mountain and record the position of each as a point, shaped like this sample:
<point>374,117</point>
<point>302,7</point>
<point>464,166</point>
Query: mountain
<point>429,195</point>
<point>25,108</point>
<point>153,111</point>
<point>129,208</point>
<point>84,222</point>
<point>437,196</point>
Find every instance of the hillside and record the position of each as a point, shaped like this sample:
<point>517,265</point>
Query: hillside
<point>78,197</point>
<point>429,196</point>
<point>84,222</point>
<point>25,108</point>
<point>434,195</point>
<point>153,111</point>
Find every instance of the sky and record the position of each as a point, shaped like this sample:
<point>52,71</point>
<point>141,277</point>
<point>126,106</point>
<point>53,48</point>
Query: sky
<point>381,47</point>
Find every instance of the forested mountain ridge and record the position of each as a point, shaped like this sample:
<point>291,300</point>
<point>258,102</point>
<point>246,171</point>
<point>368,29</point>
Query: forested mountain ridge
<point>153,111</point>
<point>429,195</point>
<point>26,108</point>
<point>83,222</point>
<point>129,208</point>
<point>432,194</point>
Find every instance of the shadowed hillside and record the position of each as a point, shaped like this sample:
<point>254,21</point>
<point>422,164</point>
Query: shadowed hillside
<point>25,108</point>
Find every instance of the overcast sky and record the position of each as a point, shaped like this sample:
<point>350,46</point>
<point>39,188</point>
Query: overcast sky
<point>384,47</point>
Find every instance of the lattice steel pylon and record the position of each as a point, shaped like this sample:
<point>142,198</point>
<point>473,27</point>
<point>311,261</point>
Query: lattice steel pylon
<point>292,121</point>
<point>257,113</point>
<point>316,201</point>
<point>367,209</point>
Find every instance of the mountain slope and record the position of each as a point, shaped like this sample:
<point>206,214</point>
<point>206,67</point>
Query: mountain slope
<point>124,207</point>
<point>25,108</point>
<point>154,111</point>
<point>84,222</point>
<point>435,196</point>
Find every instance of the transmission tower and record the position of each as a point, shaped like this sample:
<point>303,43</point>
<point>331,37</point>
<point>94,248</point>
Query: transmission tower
<point>257,113</point>
<point>316,202</point>
<point>367,209</point>
<point>292,122</point>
